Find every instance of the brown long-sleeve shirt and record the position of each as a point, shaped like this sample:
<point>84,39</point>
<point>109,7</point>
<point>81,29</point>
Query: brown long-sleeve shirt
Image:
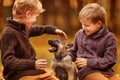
<point>17,54</point>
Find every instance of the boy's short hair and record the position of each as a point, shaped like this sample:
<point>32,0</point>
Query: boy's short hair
<point>21,6</point>
<point>94,12</point>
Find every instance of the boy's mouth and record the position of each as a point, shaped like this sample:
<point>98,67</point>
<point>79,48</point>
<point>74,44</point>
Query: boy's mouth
<point>87,32</point>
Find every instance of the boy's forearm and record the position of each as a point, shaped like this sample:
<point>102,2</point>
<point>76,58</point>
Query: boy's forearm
<point>39,30</point>
<point>100,63</point>
<point>72,55</point>
<point>18,64</point>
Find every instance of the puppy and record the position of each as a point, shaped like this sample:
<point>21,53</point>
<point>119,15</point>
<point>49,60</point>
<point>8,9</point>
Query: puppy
<point>62,64</point>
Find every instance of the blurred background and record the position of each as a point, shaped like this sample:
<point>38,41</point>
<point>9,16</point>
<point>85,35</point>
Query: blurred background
<point>64,15</point>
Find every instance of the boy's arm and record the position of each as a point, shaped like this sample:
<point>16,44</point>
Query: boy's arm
<point>39,30</point>
<point>110,56</point>
<point>8,44</point>
<point>48,29</point>
<point>73,51</point>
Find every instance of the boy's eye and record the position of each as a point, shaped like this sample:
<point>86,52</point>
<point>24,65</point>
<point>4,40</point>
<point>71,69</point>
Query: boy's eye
<point>86,25</point>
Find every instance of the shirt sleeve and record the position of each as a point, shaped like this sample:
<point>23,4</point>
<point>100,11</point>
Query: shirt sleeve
<point>73,51</point>
<point>110,55</point>
<point>36,30</point>
<point>8,44</point>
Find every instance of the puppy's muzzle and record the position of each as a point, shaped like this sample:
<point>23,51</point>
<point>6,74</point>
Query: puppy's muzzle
<point>54,46</point>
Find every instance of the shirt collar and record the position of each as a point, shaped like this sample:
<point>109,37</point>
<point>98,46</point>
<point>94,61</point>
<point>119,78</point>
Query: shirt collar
<point>15,24</point>
<point>100,32</point>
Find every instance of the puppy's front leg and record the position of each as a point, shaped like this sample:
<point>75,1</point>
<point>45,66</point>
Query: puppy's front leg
<point>53,66</point>
<point>71,72</point>
<point>69,66</point>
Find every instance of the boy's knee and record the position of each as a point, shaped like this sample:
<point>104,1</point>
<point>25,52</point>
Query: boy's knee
<point>45,76</point>
<point>96,76</point>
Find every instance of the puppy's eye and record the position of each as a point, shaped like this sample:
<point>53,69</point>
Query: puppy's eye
<point>57,41</point>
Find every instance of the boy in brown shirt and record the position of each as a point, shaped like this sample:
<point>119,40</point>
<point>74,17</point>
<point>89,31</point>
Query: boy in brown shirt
<point>18,56</point>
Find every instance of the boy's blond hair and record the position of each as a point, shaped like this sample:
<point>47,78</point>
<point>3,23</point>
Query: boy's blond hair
<point>20,7</point>
<point>93,12</point>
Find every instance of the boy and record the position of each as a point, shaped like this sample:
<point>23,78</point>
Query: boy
<point>18,56</point>
<point>94,47</point>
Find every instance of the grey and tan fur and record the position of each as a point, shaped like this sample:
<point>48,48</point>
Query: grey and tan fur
<point>62,64</point>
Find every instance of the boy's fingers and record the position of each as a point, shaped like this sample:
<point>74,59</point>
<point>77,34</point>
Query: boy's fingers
<point>61,33</point>
<point>65,36</point>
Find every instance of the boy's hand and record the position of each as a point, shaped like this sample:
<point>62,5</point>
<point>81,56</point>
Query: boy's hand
<point>81,62</point>
<point>61,33</point>
<point>41,64</point>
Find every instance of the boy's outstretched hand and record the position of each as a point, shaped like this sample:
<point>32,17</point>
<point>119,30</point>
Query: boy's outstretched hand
<point>61,33</point>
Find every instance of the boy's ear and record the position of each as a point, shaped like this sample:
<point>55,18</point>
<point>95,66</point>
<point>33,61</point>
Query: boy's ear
<point>28,14</point>
<point>99,23</point>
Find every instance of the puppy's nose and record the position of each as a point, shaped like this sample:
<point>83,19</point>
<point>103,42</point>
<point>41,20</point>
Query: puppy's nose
<point>49,42</point>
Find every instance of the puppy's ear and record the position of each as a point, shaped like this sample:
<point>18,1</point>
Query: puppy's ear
<point>68,45</point>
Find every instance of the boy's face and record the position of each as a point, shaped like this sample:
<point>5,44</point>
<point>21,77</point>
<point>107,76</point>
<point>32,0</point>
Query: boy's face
<point>90,27</point>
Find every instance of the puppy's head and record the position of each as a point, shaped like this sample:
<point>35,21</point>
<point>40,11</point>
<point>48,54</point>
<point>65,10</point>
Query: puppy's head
<point>58,46</point>
<point>55,45</point>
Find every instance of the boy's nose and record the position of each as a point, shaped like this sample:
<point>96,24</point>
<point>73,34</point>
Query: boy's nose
<point>83,27</point>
